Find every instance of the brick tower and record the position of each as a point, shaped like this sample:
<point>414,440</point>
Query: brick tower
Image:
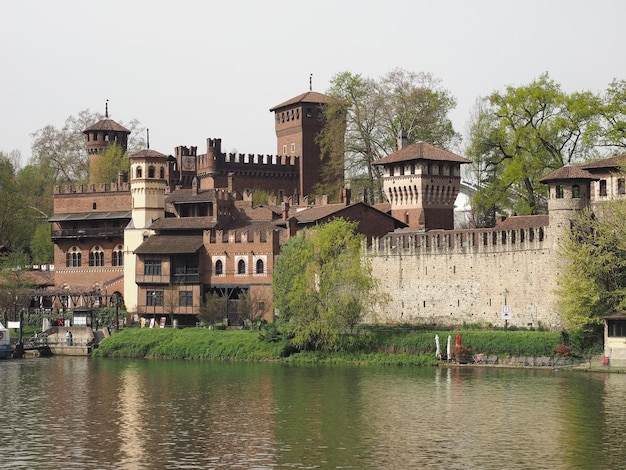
<point>102,134</point>
<point>297,123</point>
<point>421,182</point>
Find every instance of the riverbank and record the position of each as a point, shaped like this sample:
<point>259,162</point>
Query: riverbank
<point>385,347</point>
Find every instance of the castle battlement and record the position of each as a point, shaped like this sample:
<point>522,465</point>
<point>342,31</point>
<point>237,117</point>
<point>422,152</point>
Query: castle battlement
<point>491,240</point>
<point>92,188</point>
<point>230,237</point>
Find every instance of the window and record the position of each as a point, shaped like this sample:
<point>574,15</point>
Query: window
<point>106,137</point>
<point>73,257</point>
<point>162,173</point>
<point>96,256</point>
<point>118,256</point>
<point>293,148</point>
<point>152,267</point>
<point>185,298</point>
<point>219,267</point>
<point>576,191</point>
<point>185,268</point>
<point>617,328</point>
<point>621,186</point>
<point>241,267</point>
<point>151,172</point>
<point>154,298</point>
<point>260,266</point>
<point>138,172</point>
<point>93,206</point>
<point>559,191</point>
<point>602,187</point>
<point>284,150</point>
<point>309,112</point>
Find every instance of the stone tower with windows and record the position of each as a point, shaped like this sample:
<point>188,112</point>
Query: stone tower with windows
<point>298,121</point>
<point>103,134</point>
<point>569,192</point>
<point>421,182</point>
<point>148,185</point>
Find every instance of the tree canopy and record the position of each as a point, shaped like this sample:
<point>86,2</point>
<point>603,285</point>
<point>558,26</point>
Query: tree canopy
<point>322,286</point>
<point>593,269</point>
<point>365,117</point>
<point>519,135</point>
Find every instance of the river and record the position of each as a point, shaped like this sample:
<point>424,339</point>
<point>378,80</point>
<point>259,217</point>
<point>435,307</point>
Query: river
<point>78,412</point>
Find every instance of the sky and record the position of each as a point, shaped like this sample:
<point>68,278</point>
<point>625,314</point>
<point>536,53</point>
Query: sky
<point>190,70</point>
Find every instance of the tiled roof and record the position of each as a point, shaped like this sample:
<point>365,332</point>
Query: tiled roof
<point>71,216</point>
<point>421,151</point>
<point>315,213</point>
<point>186,195</point>
<point>517,222</point>
<point>568,172</point>
<point>308,97</point>
<point>612,162</point>
<point>174,244</point>
<point>146,153</point>
<point>184,223</point>
<point>106,125</point>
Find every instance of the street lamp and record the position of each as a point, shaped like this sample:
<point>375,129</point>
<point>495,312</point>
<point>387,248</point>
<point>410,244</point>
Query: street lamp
<point>505,310</point>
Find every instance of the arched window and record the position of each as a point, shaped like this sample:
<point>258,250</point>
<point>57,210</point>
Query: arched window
<point>162,173</point>
<point>96,256</point>
<point>73,257</point>
<point>93,206</point>
<point>118,256</point>
<point>138,172</point>
<point>219,267</point>
<point>241,267</point>
<point>260,266</point>
<point>151,172</point>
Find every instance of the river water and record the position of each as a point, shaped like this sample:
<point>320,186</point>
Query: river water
<point>77,412</point>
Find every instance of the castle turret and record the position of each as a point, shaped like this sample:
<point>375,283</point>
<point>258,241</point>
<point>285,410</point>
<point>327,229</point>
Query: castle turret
<point>148,185</point>
<point>569,190</point>
<point>421,182</point>
<point>101,135</point>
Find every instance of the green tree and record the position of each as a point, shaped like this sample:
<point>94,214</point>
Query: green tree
<point>41,246</point>
<point>106,169</point>
<point>322,286</point>
<point>365,117</point>
<point>519,136</point>
<point>592,283</point>
<point>63,151</point>
<point>614,115</point>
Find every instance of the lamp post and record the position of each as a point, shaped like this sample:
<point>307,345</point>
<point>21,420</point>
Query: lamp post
<point>505,310</point>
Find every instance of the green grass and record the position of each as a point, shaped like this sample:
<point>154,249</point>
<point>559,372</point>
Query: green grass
<point>386,347</point>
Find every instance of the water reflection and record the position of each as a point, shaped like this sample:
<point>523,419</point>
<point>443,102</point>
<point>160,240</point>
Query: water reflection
<point>84,413</point>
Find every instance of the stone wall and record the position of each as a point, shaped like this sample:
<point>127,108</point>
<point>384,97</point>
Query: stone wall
<point>456,277</point>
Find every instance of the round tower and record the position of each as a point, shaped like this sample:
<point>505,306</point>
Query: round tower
<point>148,184</point>
<point>103,134</point>
<point>569,192</point>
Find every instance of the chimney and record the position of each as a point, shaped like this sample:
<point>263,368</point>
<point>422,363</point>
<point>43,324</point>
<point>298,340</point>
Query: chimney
<point>194,186</point>
<point>402,139</point>
<point>285,208</point>
<point>344,196</point>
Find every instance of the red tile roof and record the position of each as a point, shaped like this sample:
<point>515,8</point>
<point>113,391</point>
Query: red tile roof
<point>612,162</point>
<point>146,153</point>
<point>421,151</point>
<point>308,97</point>
<point>106,125</point>
<point>568,172</point>
<point>517,222</point>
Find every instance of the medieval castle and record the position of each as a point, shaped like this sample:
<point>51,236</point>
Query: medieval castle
<point>180,227</point>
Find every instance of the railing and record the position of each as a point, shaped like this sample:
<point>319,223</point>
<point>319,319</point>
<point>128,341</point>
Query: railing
<point>88,232</point>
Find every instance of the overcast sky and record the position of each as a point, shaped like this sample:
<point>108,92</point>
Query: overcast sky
<point>190,70</point>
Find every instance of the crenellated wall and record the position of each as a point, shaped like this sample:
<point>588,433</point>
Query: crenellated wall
<point>466,276</point>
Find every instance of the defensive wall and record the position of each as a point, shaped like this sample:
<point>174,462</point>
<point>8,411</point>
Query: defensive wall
<point>240,171</point>
<point>466,276</point>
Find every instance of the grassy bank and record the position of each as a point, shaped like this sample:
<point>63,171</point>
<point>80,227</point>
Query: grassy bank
<point>383,347</point>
